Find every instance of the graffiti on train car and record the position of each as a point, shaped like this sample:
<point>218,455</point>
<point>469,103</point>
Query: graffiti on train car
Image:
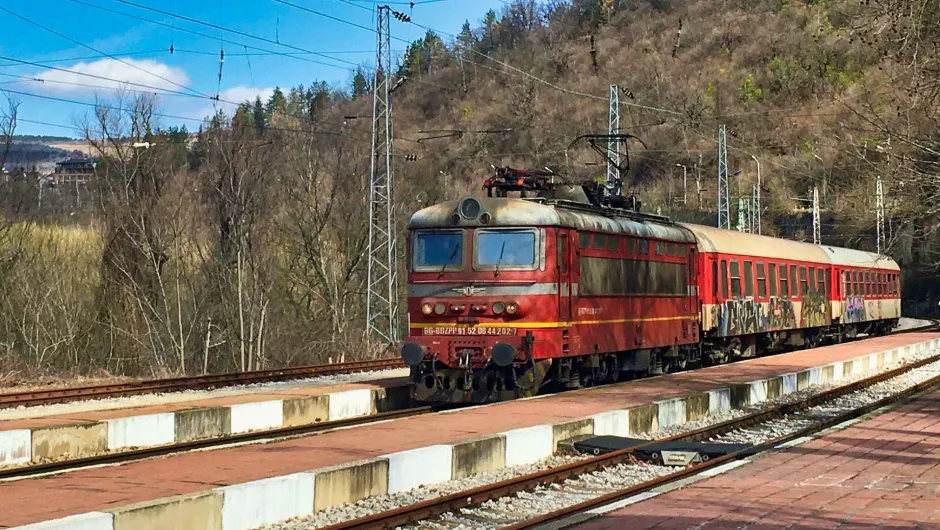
<point>814,310</point>
<point>781,314</point>
<point>739,317</point>
<point>854,310</point>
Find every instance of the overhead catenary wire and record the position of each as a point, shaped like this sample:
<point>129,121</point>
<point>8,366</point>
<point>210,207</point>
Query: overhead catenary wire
<point>96,50</point>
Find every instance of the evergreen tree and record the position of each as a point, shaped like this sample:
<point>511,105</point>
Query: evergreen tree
<point>277,103</point>
<point>488,37</point>
<point>360,84</point>
<point>259,115</point>
<point>466,39</point>
<point>318,99</point>
<point>243,117</point>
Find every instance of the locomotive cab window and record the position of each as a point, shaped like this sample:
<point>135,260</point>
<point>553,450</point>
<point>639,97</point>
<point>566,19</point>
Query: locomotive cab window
<point>505,249</point>
<point>437,251</point>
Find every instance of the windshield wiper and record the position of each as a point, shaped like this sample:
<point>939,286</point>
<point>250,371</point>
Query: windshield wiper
<point>449,261</point>
<point>500,260</point>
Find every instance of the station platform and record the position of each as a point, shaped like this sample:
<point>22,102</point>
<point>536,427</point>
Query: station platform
<point>883,472</point>
<point>197,490</point>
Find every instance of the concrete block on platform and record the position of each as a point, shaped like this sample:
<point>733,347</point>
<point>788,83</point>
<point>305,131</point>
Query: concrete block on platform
<point>740,394</point>
<point>305,410</point>
<point>612,423</point>
<point>146,430</point>
<point>350,403</point>
<point>671,412</point>
<point>838,371</point>
<point>851,367</point>
<point>774,387</point>
<point>257,416</point>
<point>82,521</point>
<point>719,400</point>
<point>757,392</point>
<point>266,501</point>
<point>788,384</point>
<point>815,376</point>
<point>569,429</point>
<point>529,444</point>
<point>417,467</point>
<point>16,447</point>
<point>696,406</point>
<point>69,441</point>
<point>875,361</point>
<point>828,372</point>
<point>644,419</point>
<point>478,455</point>
<point>201,510</point>
<point>391,398</point>
<point>199,424</point>
<point>351,482</point>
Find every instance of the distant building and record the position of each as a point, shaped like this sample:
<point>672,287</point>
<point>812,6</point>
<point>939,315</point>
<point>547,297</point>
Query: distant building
<point>77,170</point>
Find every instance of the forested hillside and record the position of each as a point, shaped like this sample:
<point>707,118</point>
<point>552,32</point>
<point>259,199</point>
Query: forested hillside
<point>248,249</point>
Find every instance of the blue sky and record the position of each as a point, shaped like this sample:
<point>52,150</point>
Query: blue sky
<point>144,49</point>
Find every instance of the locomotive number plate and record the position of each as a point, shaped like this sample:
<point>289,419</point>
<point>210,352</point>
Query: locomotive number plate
<point>466,330</point>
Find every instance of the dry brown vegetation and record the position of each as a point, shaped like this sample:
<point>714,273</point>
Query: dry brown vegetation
<point>248,251</point>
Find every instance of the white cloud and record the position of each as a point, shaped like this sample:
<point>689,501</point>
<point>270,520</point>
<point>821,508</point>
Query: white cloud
<point>235,96</point>
<point>143,72</point>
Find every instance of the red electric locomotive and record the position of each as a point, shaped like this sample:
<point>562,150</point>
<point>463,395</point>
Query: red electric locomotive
<point>507,296</point>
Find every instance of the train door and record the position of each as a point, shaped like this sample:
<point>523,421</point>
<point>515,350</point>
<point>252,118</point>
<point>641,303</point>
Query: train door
<point>563,267</point>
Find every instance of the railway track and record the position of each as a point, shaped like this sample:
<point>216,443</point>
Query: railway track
<point>31,398</point>
<point>428,512</point>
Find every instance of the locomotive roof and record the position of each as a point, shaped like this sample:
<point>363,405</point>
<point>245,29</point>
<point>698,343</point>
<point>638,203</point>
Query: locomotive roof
<point>506,212</point>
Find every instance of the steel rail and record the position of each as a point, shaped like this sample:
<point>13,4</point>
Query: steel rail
<point>279,434</point>
<point>32,398</point>
<point>476,496</point>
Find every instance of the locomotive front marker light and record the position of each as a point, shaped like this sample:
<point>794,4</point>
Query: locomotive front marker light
<point>470,208</point>
<point>427,308</point>
<point>503,354</point>
<point>412,354</point>
<point>512,308</point>
<point>440,308</point>
<point>498,308</point>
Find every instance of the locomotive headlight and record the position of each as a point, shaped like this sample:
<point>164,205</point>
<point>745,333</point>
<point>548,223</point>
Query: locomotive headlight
<point>512,308</point>
<point>470,208</point>
<point>427,308</point>
<point>440,308</point>
<point>498,308</point>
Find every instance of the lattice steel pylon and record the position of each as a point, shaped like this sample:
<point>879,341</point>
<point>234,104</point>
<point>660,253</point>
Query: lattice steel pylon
<point>382,289</point>
<point>880,216</point>
<point>613,146</point>
<point>817,230</point>
<point>724,191</point>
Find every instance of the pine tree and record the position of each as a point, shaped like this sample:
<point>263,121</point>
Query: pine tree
<point>259,116</point>
<point>466,39</point>
<point>277,103</point>
<point>360,84</point>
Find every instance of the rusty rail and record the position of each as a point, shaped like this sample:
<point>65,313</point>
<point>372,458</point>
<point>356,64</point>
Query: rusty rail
<point>474,497</point>
<point>32,398</point>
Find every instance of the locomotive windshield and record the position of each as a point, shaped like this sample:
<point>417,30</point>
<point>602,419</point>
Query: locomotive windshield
<point>505,249</point>
<point>438,250</point>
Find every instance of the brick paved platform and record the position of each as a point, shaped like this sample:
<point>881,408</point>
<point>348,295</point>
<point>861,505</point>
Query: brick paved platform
<point>110,488</point>
<point>880,473</point>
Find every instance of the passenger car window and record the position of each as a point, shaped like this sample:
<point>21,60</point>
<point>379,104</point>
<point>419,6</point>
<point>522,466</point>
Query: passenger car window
<point>724,279</point>
<point>784,284</point>
<point>735,278</point>
<point>599,241</point>
<point>761,280</point>
<point>584,240</point>
<point>748,279</point>
<point>772,278</point>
